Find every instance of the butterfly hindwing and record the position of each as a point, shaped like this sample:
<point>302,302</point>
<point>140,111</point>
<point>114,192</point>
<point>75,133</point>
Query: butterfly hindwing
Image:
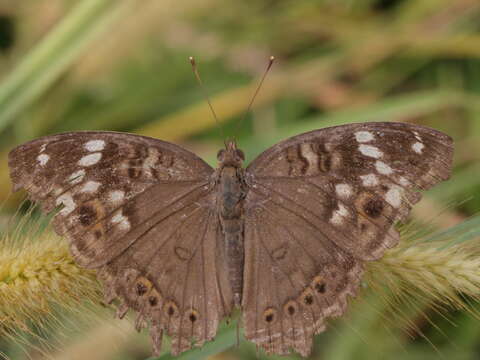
<point>332,195</point>
<point>293,280</point>
<point>173,277</point>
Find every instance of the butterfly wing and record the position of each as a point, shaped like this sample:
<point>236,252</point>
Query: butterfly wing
<point>139,210</point>
<point>173,277</point>
<point>97,177</point>
<point>319,205</point>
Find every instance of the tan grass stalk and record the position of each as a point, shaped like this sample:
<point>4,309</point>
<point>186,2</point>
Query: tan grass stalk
<point>37,279</point>
<point>430,270</point>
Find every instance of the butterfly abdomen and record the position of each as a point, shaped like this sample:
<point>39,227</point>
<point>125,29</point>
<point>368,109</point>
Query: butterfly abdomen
<point>231,196</point>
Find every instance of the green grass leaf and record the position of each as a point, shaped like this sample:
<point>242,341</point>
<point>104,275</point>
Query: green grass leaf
<point>226,338</point>
<point>54,54</point>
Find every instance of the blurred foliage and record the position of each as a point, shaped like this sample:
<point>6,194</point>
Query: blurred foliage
<point>123,65</point>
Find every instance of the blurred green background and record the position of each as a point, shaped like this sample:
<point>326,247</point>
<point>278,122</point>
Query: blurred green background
<point>123,65</point>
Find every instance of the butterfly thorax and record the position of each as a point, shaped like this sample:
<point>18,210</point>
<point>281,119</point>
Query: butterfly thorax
<point>230,200</point>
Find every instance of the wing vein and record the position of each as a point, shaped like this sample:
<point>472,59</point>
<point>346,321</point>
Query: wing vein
<point>314,215</point>
<point>296,214</point>
<point>305,276</point>
<point>187,275</point>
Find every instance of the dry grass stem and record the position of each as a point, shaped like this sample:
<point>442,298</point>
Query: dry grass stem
<point>38,278</point>
<point>430,270</point>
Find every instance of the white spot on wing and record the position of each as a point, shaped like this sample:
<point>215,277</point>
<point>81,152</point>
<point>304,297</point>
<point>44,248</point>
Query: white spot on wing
<point>76,177</point>
<point>43,159</point>
<point>363,136</point>
<point>339,215</point>
<point>117,218</point>
<point>302,190</point>
<point>116,196</point>
<point>336,219</point>
<point>90,186</point>
<point>150,161</point>
<point>95,145</point>
<point>371,151</point>
<point>121,221</point>
<point>418,147</point>
<point>68,204</point>
<point>90,159</point>
<point>394,197</point>
<point>369,180</point>
<point>417,136</point>
<point>383,168</point>
<point>311,156</point>
<point>124,225</point>
<point>343,190</point>
<point>342,210</point>
<point>404,182</point>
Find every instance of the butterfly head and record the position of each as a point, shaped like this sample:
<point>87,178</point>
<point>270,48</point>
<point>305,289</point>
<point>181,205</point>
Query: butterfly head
<point>230,156</point>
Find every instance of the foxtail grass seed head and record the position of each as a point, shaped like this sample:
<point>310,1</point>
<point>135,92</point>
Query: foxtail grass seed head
<point>441,268</point>
<point>38,275</point>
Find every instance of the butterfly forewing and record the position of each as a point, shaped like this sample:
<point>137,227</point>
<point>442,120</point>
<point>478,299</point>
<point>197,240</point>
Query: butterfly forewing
<point>319,204</point>
<point>96,177</point>
<point>142,211</point>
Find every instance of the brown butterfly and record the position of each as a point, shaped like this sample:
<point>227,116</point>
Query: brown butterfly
<point>285,239</point>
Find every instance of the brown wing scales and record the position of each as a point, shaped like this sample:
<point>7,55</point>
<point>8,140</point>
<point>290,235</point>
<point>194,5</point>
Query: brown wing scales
<point>320,204</point>
<point>143,212</point>
<point>290,292</point>
<point>140,211</point>
<point>364,217</point>
<point>97,177</point>
<point>170,287</point>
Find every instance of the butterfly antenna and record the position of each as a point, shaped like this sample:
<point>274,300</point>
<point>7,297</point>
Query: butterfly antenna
<point>205,93</point>
<point>249,107</point>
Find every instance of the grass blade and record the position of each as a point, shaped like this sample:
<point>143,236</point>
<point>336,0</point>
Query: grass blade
<point>55,53</point>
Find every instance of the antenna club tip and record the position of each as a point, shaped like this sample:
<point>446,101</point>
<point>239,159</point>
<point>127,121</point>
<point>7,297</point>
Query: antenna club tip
<point>192,60</point>
<point>270,62</point>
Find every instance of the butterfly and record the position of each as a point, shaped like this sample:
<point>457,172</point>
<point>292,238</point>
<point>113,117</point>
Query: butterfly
<point>285,239</point>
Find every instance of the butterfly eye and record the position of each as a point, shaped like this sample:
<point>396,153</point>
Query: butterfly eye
<point>240,154</point>
<point>220,154</point>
